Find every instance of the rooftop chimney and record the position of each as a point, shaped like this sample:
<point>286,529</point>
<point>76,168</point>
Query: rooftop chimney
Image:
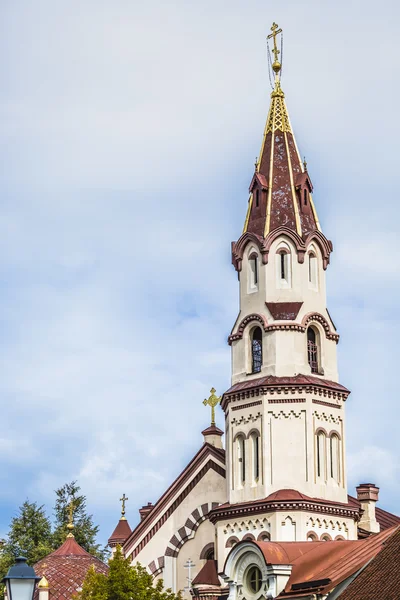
<point>367,495</point>
<point>144,511</point>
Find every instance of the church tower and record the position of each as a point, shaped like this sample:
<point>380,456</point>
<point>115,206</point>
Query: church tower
<point>285,411</point>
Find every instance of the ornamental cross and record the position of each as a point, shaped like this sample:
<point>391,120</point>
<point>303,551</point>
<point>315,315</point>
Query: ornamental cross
<point>212,401</point>
<point>123,500</point>
<point>70,525</point>
<point>275,32</point>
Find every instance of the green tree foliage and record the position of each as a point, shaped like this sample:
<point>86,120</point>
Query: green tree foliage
<point>29,535</point>
<point>85,531</point>
<point>124,582</point>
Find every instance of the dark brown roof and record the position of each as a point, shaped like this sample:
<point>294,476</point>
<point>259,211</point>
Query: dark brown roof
<point>208,575</point>
<point>120,533</point>
<point>66,568</point>
<point>381,577</point>
<point>282,172</point>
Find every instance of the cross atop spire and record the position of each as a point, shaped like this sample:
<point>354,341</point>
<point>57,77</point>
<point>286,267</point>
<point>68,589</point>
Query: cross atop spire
<point>123,501</point>
<point>276,65</point>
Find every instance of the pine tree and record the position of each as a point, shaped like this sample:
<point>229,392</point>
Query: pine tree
<point>30,533</point>
<point>30,536</point>
<point>85,531</point>
<point>124,582</point>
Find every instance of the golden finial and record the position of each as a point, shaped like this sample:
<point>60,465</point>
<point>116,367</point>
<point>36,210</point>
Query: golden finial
<point>212,401</point>
<point>276,65</point>
<point>123,500</point>
<point>70,525</point>
<point>43,583</point>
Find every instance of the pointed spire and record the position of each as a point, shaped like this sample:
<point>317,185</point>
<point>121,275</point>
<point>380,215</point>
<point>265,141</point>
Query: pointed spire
<point>280,191</point>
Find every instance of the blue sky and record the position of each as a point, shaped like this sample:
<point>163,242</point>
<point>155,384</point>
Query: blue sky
<point>128,136</point>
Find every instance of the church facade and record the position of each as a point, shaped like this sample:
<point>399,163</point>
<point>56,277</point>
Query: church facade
<point>281,474</point>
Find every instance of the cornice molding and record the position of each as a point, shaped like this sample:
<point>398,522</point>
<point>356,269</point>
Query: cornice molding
<point>263,506</point>
<point>264,245</point>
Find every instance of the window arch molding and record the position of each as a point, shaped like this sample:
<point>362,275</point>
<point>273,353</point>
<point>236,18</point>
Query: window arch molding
<point>205,554</point>
<point>249,537</point>
<point>311,536</point>
<point>325,537</point>
<point>264,536</point>
<point>231,541</point>
<point>320,321</point>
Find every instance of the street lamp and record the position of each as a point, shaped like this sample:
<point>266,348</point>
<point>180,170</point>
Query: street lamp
<point>20,581</point>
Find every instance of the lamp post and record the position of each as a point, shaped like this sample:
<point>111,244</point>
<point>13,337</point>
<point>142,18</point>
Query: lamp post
<point>20,581</point>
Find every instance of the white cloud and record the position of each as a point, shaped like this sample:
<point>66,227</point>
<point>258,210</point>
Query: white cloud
<point>129,132</point>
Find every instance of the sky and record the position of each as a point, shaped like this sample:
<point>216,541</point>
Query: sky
<point>128,134</point>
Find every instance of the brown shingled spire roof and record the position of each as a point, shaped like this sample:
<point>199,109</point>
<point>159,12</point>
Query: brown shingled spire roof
<point>280,191</point>
<point>280,199</point>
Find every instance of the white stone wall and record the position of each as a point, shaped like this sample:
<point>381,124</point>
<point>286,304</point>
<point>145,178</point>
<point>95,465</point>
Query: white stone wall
<point>288,425</point>
<point>284,352</point>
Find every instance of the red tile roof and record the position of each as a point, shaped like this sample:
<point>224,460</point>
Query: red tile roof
<point>381,577</point>
<point>321,566</point>
<point>66,568</point>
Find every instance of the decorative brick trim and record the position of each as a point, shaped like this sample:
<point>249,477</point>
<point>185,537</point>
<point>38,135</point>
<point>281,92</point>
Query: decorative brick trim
<point>285,389</point>
<point>331,335</point>
<point>209,465</point>
<point>244,322</point>
<point>330,404</point>
<point>185,533</point>
<point>285,400</point>
<point>248,405</point>
<point>156,566</point>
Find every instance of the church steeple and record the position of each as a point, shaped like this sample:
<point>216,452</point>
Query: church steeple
<point>281,189</point>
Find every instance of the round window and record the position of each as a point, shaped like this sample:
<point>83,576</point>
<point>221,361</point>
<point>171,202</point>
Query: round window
<point>254,579</point>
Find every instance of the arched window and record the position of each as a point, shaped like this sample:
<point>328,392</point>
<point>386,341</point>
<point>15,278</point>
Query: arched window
<point>312,270</point>
<point>264,537</point>
<point>334,444</point>
<point>312,349</point>
<point>208,552</point>
<point>321,454</point>
<point>312,537</point>
<point>241,459</point>
<point>255,442</point>
<point>253,264</point>
<point>256,350</point>
<point>283,268</point>
<point>257,198</point>
<point>230,542</point>
<point>326,537</point>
